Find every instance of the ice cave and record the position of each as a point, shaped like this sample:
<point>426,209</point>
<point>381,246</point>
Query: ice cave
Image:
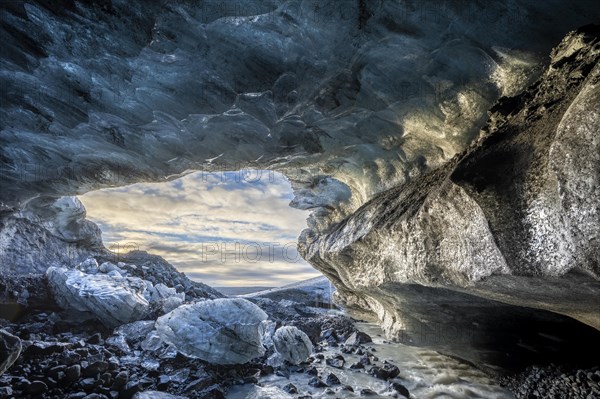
<point>431,166</point>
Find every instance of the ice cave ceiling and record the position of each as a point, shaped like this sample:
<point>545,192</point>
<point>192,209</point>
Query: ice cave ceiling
<point>368,93</point>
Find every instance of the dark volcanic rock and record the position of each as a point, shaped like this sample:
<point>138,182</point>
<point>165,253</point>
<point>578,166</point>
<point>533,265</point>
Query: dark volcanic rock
<point>555,382</point>
<point>317,383</point>
<point>358,338</point>
<point>357,366</point>
<point>290,388</point>
<point>73,373</point>
<point>36,388</point>
<point>401,389</point>
<point>95,369</point>
<point>384,372</point>
<point>43,349</point>
<point>336,361</point>
<point>121,379</point>
<point>332,379</point>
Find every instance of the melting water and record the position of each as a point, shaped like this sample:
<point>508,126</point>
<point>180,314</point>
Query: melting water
<point>426,373</point>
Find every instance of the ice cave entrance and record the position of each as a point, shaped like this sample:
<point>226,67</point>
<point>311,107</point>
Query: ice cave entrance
<point>225,229</point>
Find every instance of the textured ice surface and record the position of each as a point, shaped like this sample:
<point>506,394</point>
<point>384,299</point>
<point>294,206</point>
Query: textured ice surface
<point>221,331</point>
<point>511,221</point>
<point>345,97</point>
<point>135,332</point>
<point>46,232</point>
<point>293,344</point>
<point>114,301</point>
<point>575,161</point>
<point>109,293</point>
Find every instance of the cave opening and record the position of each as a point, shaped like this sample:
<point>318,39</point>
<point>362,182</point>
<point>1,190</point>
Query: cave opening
<point>447,152</point>
<point>228,229</point>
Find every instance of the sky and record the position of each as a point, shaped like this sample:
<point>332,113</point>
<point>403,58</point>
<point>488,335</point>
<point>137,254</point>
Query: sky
<point>226,229</point>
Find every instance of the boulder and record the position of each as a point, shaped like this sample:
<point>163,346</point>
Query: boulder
<point>293,344</point>
<point>358,338</point>
<point>221,331</point>
<point>112,300</point>
<point>401,389</point>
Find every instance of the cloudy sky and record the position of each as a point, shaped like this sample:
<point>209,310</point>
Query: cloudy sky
<point>224,229</point>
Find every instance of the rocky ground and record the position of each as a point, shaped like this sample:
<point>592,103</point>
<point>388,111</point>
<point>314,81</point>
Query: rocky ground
<point>63,360</point>
<point>74,350</point>
<point>555,382</point>
<point>62,352</point>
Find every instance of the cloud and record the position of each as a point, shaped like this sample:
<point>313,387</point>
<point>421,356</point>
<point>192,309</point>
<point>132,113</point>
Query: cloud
<point>224,229</point>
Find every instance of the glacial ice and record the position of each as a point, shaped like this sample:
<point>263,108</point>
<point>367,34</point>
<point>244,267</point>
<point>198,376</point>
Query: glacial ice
<point>346,103</point>
<point>504,232</point>
<point>152,343</point>
<point>171,303</point>
<point>114,301</point>
<point>135,332</point>
<point>324,94</point>
<point>109,294</point>
<point>292,343</point>
<point>221,331</point>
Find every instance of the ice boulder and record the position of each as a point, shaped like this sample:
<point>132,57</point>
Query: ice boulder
<point>171,303</point>
<point>160,292</point>
<point>166,298</point>
<point>10,348</point>
<point>90,266</point>
<point>111,299</point>
<point>221,331</point>
<point>108,267</point>
<point>292,343</point>
<point>131,335</point>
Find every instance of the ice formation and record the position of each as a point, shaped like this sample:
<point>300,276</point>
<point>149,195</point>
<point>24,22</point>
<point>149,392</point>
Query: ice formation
<point>292,344</point>
<point>221,331</point>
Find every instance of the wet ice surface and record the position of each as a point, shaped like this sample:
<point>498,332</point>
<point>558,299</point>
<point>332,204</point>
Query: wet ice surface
<point>425,373</point>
